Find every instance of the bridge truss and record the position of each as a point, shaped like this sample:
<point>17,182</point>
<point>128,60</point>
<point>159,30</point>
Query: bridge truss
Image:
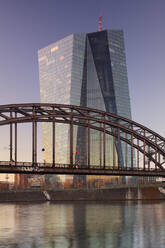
<point>147,148</point>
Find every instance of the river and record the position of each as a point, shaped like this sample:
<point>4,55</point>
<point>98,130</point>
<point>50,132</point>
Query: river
<point>83,225</point>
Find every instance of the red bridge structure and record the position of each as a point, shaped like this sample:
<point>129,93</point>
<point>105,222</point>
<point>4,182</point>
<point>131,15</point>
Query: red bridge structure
<point>147,148</point>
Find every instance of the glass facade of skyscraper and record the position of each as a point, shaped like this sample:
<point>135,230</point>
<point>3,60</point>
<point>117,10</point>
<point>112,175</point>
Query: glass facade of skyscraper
<point>87,70</point>
<point>60,71</point>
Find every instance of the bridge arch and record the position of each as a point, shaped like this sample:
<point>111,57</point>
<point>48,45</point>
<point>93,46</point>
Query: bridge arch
<point>147,143</point>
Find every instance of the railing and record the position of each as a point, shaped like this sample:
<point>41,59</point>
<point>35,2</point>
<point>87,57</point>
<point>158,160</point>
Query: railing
<point>41,165</point>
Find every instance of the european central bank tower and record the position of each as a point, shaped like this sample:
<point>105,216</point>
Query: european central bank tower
<point>86,69</point>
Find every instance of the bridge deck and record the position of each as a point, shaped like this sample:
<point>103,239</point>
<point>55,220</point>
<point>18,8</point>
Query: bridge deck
<point>40,168</point>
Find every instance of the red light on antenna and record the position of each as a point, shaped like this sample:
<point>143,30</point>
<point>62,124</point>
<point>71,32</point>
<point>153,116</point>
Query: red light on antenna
<point>100,23</point>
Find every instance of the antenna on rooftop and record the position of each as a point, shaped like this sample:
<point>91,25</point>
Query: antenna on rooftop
<point>100,22</point>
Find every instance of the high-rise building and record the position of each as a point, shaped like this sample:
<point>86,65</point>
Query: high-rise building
<point>84,70</point>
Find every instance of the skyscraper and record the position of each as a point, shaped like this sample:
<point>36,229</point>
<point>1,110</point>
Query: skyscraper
<point>86,70</point>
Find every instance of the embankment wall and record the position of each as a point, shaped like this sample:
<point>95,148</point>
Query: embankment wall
<point>113,194</point>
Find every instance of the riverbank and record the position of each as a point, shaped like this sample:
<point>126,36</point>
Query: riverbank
<point>121,193</point>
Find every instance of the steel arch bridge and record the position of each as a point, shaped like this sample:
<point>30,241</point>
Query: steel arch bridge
<point>147,148</point>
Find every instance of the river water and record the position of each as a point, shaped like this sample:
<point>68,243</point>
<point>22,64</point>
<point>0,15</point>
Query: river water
<point>83,225</point>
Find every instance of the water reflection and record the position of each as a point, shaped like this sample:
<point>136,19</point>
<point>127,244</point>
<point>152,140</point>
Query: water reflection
<point>58,225</point>
<point>80,226</point>
<point>83,225</point>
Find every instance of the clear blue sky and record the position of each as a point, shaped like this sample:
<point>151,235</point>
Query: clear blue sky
<point>28,25</point>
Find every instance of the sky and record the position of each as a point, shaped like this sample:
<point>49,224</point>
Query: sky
<point>28,25</point>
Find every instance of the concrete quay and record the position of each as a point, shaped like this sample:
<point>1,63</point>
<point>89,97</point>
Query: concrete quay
<point>109,194</point>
